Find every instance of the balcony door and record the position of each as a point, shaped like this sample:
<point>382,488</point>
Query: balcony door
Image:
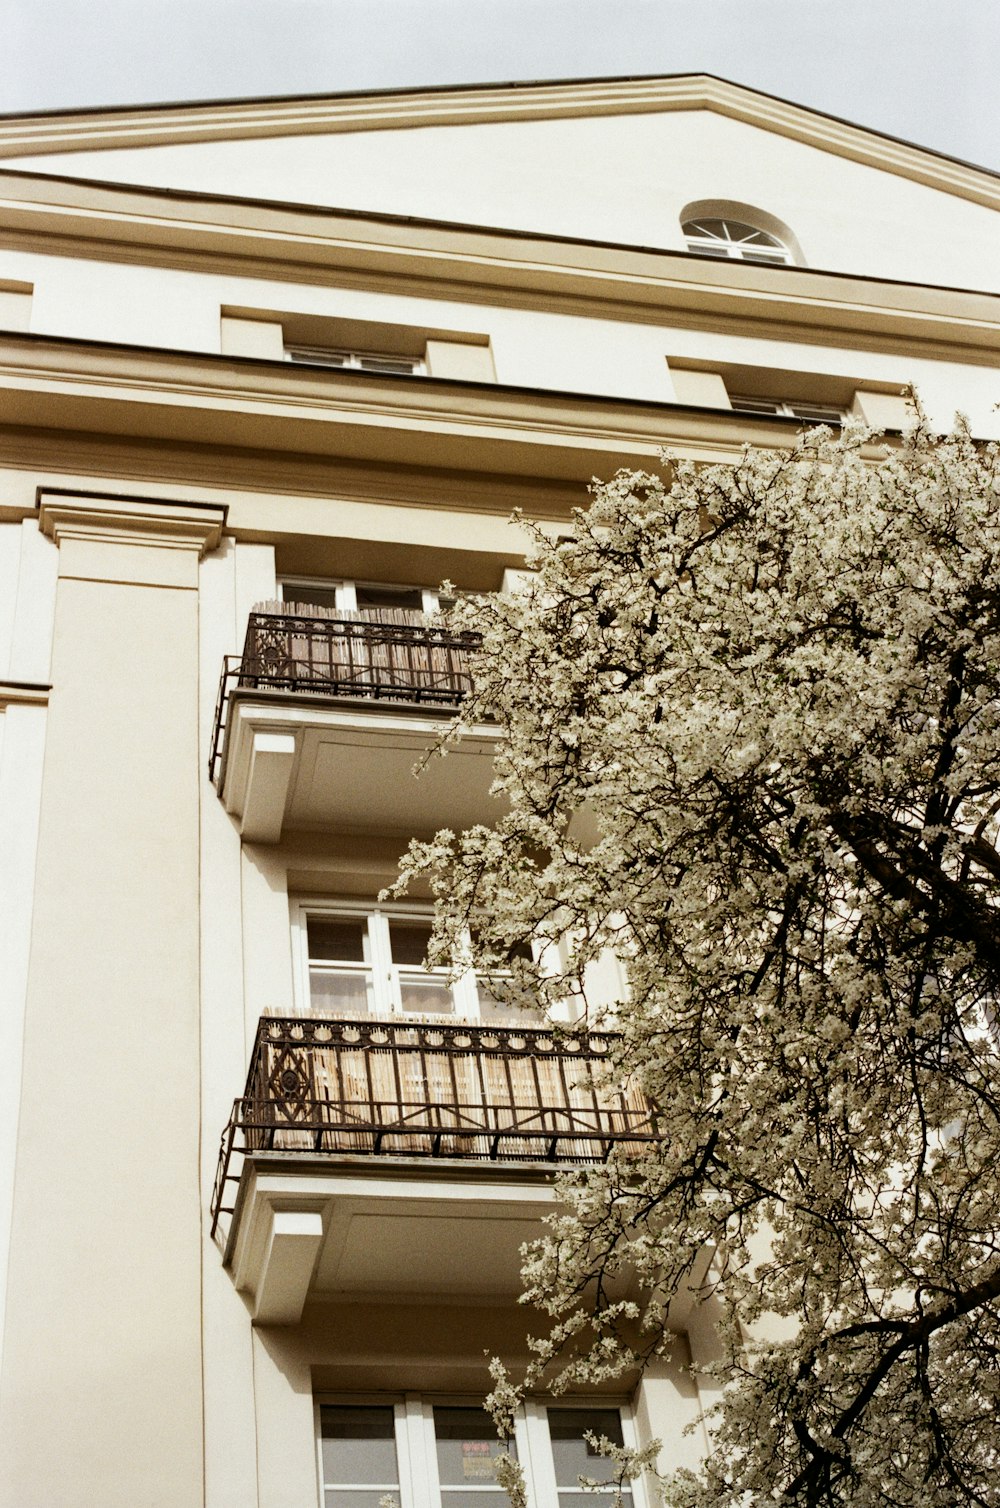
<point>377,660</point>
<point>368,1451</point>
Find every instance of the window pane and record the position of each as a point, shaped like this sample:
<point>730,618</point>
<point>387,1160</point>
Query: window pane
<point>404,365</point>
<point>574,1456</point>
<point>425,992</point>
<point>309,596</point>
<point>755,237</point>
<point>359,1447</point>
<point>756,405</point>
<point>485,1497</point>
<point>712,228</point>
<point>824,413</point>
<point>734,238</point>
<point>516,949</point>
<point>337,937</point>
<point>341,1497</point>
<point>467,1447</point>
<point>730,230</point>
<point>410,941</point>
<point>318,354</point>
<point>494,1006</point>
<point>493,990</point>
<point>336,991</point>
<point>582,1499</point>
<point>390,596</point>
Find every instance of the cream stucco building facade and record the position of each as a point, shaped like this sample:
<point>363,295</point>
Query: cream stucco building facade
<point>272,371</point>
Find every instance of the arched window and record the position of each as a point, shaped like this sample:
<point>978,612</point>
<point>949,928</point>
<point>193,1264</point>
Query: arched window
<point>735,239</point>
<point>739,233</point>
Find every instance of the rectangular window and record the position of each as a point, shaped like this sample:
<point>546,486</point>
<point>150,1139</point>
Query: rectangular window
<point>789,408</point>
<point>354,961</point>
<point>364,598</point>
<point>392,365</point>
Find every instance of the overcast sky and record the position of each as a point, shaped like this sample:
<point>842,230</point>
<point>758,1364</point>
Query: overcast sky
<point>925,70</point>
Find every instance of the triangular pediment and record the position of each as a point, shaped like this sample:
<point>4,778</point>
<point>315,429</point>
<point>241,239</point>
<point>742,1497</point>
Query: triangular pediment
<point>113,142</point>
<point>601,160</point>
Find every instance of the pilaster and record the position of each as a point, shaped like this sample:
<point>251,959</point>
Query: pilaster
<point>105,1245</point>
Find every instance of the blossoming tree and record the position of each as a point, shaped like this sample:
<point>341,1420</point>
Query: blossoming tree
<point>752,750</point>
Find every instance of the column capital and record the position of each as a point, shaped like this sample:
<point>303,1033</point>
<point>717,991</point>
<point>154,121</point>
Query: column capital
<point>138,540</point>
<point>120,520</point>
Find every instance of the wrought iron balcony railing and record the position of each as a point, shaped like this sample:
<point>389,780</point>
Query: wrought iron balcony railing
<point>367,659</point>
<point>380,1088</point>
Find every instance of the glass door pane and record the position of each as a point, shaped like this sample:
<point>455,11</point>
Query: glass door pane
<point>300,595</point>
<point>467,1450</point>
<point>574,1456</point>
<point>401,598</point>
<point>359,1456</point>
<point>423,994</point>
<point>419,992</point>
<point>339,984</point>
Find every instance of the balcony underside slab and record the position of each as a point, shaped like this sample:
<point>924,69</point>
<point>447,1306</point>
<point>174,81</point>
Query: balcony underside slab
<point>306,1231</point>
<point>293,761</point>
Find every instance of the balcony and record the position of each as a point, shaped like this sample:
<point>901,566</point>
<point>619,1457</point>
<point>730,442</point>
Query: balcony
<point>321,720</point>
<point>393,1156</point>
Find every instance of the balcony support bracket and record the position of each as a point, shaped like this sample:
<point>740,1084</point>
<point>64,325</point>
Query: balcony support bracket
<point>293,1244</point>
<point>272,762</point>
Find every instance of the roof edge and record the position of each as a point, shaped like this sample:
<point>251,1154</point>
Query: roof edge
<point>312,96</point>
<point>123,126</point>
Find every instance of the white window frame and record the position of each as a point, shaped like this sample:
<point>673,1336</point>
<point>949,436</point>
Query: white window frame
<point>403,1466</point>
<point>788,408</point>
<point>381,363</point>
<point>387,977</point>
<point>727,249</point>
<point>346,591</point>
<point>416,1452</point>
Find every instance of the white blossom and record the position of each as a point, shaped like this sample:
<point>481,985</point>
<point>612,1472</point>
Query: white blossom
<point>751,748</point>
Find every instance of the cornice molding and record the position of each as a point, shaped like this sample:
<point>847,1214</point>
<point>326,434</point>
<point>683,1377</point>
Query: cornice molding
<point>160,125</point>
<point>237,476</point>
<point>179,398</point>
<point>240,477</point>
<point>433,260</point>
<point>115,520</point>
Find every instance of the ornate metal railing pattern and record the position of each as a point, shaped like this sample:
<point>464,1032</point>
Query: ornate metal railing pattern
<point>409,663</point>
<point>378,1088</point>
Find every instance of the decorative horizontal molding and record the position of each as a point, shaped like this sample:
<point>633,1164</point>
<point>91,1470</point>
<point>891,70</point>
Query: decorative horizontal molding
<point>484,266</point>
<point>239,477</point>
<point>81,387</point>
<point>159,125</point>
